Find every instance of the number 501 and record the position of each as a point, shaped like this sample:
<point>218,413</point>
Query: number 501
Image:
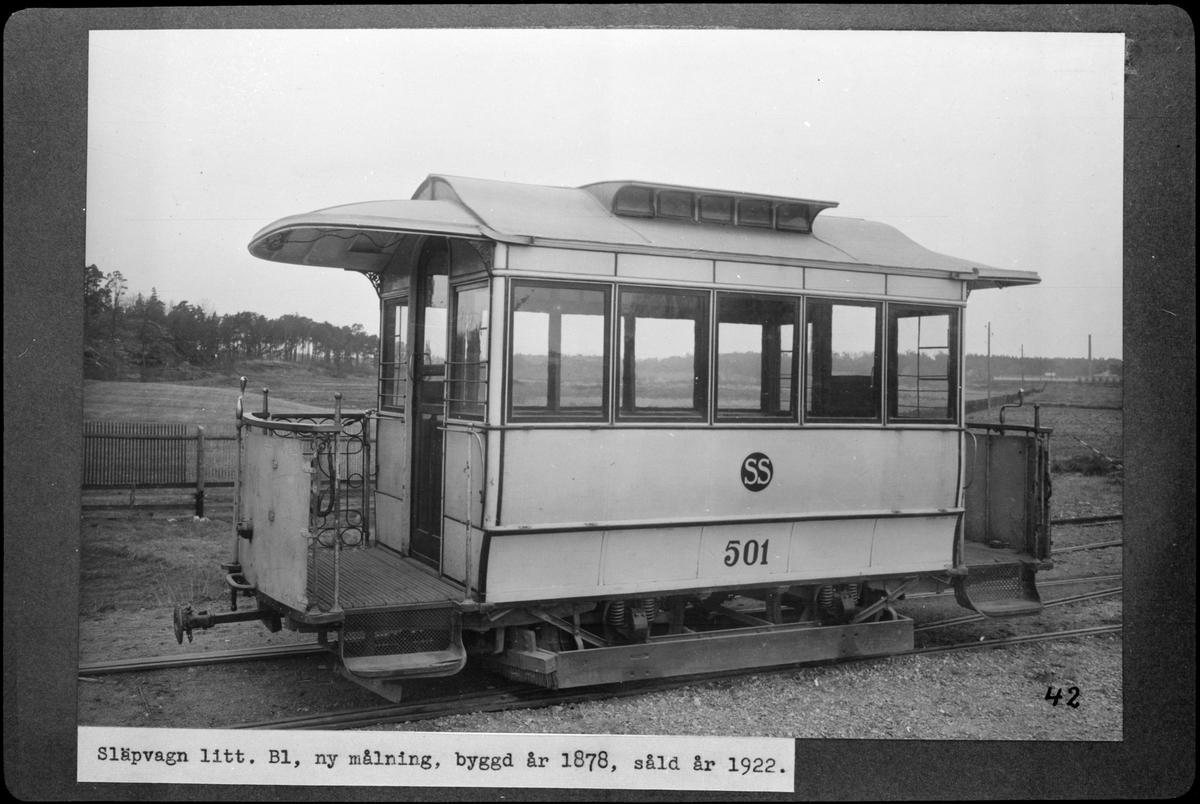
<point>748,555</point>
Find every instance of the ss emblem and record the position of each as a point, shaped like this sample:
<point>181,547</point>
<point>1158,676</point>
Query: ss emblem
<point>756,471</point>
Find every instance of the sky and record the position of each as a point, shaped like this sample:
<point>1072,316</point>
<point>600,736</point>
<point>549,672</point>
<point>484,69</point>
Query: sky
<point>1003,148</point>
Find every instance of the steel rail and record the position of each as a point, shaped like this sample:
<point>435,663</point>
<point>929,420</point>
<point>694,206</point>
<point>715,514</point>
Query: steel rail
<point>1088,520</point>
<point>970,618</point>
<point>531,697</point>
<point>1095,630</point>
<point>1081,579</point>
<point>1091,546</point>
<point>199,659</point>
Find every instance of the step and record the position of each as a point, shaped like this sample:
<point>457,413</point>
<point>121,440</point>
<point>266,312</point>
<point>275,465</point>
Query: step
<point>408,665</point>
<point>999,590</point>
<point>402,643</point>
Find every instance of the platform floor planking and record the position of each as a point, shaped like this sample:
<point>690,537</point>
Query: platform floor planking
<point>377,577</point>
<point>976,554</point>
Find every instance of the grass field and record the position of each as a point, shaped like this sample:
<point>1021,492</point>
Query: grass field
<point>1087,421</point>
<point>212,400</point>
<point>166,402</point>
<point>131,564</point>
<point>301,383</point>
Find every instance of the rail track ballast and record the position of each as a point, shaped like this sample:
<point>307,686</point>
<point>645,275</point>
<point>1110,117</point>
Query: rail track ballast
<point>603,413</point>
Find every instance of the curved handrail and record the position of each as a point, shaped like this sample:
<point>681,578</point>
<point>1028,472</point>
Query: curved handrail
<point>280,423</point>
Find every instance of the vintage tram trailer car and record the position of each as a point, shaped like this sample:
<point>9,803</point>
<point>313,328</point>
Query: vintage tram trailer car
<point>608,417</point>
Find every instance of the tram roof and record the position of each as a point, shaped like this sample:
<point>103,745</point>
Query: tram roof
<point>363,236</point>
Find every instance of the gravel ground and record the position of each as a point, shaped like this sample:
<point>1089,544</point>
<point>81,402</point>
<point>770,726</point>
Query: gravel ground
<point>987,694</point>
<point>990,693</point>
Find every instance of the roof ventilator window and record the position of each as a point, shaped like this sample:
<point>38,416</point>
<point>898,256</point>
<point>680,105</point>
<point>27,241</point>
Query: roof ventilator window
<point>792,217</point>
<point>716,209</point>
<point>673,204</point>
<point>754,212</point>
<point>640,201</point>
<point>635,201</point>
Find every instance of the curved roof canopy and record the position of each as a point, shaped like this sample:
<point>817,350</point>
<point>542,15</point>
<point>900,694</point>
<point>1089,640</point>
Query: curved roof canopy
<point>639,217</point>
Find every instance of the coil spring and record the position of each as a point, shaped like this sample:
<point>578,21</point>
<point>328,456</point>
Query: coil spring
<point>852,591</point>
<point>616,613</point>
<point>825,597</point>
<point>650,607</point>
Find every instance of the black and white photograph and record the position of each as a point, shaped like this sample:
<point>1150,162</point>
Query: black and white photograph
<point>758,387</point>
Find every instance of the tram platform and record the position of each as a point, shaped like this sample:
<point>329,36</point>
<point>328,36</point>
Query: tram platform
<point>398,619</point>
<point>976,554</point>
<point>1000,582</point>
<point>374,578</point>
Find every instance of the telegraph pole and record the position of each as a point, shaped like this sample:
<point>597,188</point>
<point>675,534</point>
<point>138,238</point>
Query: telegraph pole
<point>1089,359</point>
<point>989,366</point>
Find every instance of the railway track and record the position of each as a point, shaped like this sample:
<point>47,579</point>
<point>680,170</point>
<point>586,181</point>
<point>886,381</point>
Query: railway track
<point>1041,584</point>
<point>1103,519</point>
<point>1091,546</point>
<point>970,618</point>
<point>150,663</point>
<point>531,697</point>
<point>517,697</point>
<point>1082,579</point>
<point>199,659</point>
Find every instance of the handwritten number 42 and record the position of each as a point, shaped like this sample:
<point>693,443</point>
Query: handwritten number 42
<point>1054,696</point>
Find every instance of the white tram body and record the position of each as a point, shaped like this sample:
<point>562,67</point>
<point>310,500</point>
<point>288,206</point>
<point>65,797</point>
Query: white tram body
<point>633,397</point>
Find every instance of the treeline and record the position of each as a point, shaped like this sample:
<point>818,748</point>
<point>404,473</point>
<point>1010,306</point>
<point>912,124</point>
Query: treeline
<point>579,368</point>
<point>1040,368</point>
<point>124,331</point>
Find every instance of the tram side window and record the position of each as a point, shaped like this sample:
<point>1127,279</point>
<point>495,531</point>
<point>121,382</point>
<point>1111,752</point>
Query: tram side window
<point>559,352</point>
<point>842,367</point>
<point>756,356</point>
<point>393,365</point>
<point>923,364</point>
<point>468,373</point>
<point>663,341</point>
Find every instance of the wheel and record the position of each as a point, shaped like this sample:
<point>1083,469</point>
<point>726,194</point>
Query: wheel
<point>179,615</point>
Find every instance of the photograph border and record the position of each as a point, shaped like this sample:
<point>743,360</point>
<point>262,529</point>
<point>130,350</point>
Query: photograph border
<point>45,144</point>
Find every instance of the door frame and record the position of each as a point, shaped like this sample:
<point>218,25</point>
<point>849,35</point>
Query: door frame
<point>427,442</point>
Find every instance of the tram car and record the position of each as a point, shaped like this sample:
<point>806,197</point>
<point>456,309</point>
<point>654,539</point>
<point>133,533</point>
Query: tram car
<point>631,430</point>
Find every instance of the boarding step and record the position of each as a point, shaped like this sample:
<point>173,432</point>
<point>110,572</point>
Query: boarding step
<point>999,590</point>
<point>405,643</point>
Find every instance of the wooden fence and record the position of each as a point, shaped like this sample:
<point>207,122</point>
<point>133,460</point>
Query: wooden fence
<point>137,455</point>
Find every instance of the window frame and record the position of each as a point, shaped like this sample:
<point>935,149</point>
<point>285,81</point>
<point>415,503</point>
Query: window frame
<point>725,220</point>
<point>400,363</point>
<point>877,370</point>
<point>701,357</point>
<point>953,391</point>
<point>746,204</point>
<point>523,415</point>
<point>484,361</point>
<point>707,360</point>
<point>663,200</point>
<point>747,415</point>
<point>781,220</point>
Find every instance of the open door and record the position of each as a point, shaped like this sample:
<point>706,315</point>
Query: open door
<point>432,292</point>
